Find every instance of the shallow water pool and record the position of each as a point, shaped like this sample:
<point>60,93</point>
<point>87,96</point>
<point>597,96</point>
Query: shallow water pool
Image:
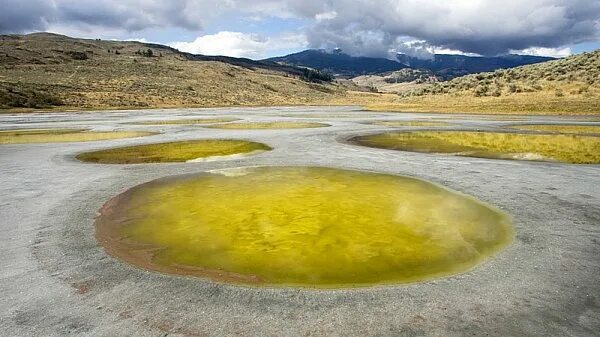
<point>181,151</point>
<point>301,226</point>
<point>574,149</point>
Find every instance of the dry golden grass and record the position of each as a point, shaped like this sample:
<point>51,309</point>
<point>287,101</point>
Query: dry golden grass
<point>568,86</point>
<point>39,70</point>
<point>566,129</point>
<point>38,64</point>
<point>165,83</point>
<point>523,104</point>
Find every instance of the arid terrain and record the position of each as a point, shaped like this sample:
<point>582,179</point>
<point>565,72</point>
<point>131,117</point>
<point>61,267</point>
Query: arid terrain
<point>468,205</point>
<point>57,279</point>
<point>47,71</point>
<point>567,86</point>
<point>53,71</point>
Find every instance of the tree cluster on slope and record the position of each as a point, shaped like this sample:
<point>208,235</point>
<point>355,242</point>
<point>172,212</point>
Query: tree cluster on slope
<point>12,96</point>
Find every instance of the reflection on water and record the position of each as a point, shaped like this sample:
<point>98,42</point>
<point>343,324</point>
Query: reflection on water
<point>173,151</point>
<point>268,125</point>
<point>568,129</point>
<point>64,135</point>
<point>547,147</point>
<point>312,227</point>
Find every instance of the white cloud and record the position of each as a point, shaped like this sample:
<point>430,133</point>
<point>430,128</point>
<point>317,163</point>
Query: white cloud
<point>326,16</point>
<point>238,44</point>
<point>451,52</point>
<point>551,52</point>
<point>362,27</point>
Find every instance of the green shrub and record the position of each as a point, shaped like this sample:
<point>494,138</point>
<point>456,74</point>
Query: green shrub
<point>11,96</point>
<point>78,55</point>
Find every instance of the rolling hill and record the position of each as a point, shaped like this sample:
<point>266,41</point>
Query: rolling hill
<point>43,70</point>
<point>570,85</point>
<point>46,70</point>
<point>579,71</point>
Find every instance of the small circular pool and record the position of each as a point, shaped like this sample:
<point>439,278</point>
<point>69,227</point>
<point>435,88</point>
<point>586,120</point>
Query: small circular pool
<point>576,149</point>
<point>28,136</point>
<point>182,151</point>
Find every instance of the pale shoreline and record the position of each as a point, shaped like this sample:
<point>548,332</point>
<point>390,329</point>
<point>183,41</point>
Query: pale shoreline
<point>57,278</point>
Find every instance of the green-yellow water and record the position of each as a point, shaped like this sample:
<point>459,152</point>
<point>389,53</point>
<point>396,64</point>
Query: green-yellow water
<point>333,115</point>
<point>567,129</point>
<point>574,149</point>
<point>294,226</point>
<point>172,152</point>
<point>409,123</point>
<point>64,135</point>
<point>190,121</point>
<point>268,125</point>
<point>492,117</point>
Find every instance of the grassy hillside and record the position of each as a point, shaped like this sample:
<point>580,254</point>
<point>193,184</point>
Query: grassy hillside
<point>569,86</point>
<point>53,71</point>
<point>45,70</point>
<point>397,81</point>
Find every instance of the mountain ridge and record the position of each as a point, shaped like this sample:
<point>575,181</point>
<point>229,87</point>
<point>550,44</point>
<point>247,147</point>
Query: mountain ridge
<point>446,66</point>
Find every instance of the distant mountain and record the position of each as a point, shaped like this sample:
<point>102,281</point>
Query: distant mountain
<point>338,63</point>
<point>443,66</point>
<point>450,66</point>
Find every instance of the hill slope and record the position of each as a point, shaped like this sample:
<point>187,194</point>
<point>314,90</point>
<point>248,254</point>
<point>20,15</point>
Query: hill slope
<point>41,70</point>
<point>570,85</point>
<point>581,72</point>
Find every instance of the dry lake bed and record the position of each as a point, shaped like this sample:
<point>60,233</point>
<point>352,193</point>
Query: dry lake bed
<point>59,276</point>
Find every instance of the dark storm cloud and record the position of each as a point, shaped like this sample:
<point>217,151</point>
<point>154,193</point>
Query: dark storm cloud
<point>132,15</point>
<point>478,26</point>
<point>127,15</point>
<point>362,27</point>
<point>17,16</point>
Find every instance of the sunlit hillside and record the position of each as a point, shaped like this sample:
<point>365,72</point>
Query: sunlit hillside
<point>570,85</point>
<point>45,70</point>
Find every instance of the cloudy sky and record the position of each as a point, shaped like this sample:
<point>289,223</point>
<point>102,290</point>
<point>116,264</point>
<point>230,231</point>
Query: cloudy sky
<point>263,28</point>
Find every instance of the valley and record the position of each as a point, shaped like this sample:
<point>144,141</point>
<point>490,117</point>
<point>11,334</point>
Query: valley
<point>58,73</point>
